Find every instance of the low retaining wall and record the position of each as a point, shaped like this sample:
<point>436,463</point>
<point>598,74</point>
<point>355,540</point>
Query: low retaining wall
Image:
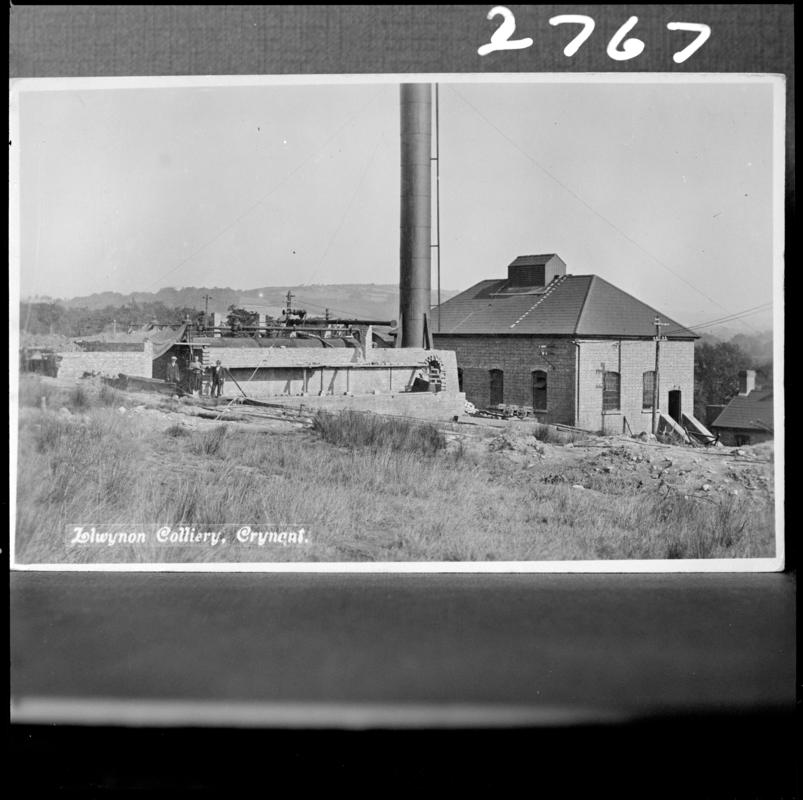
<point>436,406</point>
<point>108,362</point>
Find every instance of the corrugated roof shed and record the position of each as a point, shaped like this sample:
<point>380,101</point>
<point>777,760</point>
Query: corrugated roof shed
<point>571,305</point>
<point>748,412</point>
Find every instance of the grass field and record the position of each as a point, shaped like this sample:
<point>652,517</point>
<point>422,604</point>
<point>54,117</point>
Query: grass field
<point>365,489</point>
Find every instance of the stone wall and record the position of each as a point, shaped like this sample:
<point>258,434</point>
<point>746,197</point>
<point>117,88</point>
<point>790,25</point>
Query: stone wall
<point>111,362</point>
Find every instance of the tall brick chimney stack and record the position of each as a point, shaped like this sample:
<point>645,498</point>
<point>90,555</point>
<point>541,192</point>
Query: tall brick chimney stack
<point>747,381</point>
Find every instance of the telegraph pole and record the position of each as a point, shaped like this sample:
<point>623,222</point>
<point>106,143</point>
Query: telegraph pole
<point>656,382</point>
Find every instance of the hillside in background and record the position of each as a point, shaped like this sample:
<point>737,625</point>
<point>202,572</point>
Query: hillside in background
<point>374,301</point>
<point>113,313</point>
<point>367,301</point>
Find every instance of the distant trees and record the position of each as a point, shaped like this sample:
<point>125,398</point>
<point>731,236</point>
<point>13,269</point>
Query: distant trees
<point>45,318</point>
<point>239,318</point>
<point>716,373</point>
<point>42,317</point>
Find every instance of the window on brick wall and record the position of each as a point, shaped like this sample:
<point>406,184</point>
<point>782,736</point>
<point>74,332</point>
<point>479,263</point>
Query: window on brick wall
<point>539,390</point>
<point>497,387</point>
<point>610,391</point>
<point>648,389</point>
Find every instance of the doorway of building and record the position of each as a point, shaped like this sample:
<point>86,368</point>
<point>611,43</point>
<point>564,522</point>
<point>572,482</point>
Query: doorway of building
<point>675,406</point>
<point>497,387</point>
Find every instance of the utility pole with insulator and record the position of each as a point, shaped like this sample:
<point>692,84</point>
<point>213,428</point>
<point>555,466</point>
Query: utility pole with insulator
<point>656,380</point>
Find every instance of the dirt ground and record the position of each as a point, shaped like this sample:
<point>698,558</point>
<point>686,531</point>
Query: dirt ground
<point>693,470</point>
<point>636,462</point>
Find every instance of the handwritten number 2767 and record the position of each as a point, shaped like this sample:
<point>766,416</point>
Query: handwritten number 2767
<point>620,47</point>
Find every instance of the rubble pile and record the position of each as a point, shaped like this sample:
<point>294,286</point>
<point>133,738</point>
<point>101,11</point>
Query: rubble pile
<point>620,464</point>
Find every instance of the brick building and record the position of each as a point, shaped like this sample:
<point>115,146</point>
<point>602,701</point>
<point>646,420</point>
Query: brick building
<point>573,348</point>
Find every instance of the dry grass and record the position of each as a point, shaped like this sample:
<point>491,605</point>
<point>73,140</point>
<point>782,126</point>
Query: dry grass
<point>355,429</point>
<point>389,494</point>
<point>33,388</point>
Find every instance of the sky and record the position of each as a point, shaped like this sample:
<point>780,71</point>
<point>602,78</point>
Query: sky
<point>664,189</point>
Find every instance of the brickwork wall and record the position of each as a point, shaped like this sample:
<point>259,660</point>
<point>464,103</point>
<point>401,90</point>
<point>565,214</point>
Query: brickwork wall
<point>631,359</point>
<point>111,363</point>
<point>517,357</point>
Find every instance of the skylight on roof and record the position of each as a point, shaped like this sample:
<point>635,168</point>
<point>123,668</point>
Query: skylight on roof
<point>508,289</point>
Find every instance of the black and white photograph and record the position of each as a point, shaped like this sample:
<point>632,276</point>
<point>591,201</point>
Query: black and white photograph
<point>396,399</point>
<point>429,322</point>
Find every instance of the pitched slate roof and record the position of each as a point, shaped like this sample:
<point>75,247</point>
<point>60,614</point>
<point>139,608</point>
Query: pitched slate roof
<point>747,412</point>
<point>574,305</point>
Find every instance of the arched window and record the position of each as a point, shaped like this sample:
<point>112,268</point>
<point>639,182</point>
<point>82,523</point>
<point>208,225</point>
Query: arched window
<point>497,387</point>
<point>539,390</point>
<point>648,389</point>
<point>610,391</point>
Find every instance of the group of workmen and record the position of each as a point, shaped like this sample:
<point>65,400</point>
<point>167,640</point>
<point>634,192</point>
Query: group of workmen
<point>194,382</point>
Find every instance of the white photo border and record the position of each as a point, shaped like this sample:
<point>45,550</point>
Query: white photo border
<point>778,81</point>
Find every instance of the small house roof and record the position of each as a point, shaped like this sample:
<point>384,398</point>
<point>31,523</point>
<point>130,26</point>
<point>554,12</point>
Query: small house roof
<point>753,411</point>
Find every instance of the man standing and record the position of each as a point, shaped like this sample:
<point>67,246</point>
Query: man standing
<point>217,379</point>
<point>197,371</point>
<point>173,375</point>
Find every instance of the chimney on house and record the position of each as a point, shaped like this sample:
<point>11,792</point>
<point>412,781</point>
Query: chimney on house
<point>218,321</point>
<point>535,271</point>
<point>747,381</point>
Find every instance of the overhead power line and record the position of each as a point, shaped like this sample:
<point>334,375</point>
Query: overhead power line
<point>723,320</point>
<point>583,202</point>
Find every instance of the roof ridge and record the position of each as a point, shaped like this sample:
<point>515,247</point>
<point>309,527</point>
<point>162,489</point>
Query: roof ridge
<point>585,303</point>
